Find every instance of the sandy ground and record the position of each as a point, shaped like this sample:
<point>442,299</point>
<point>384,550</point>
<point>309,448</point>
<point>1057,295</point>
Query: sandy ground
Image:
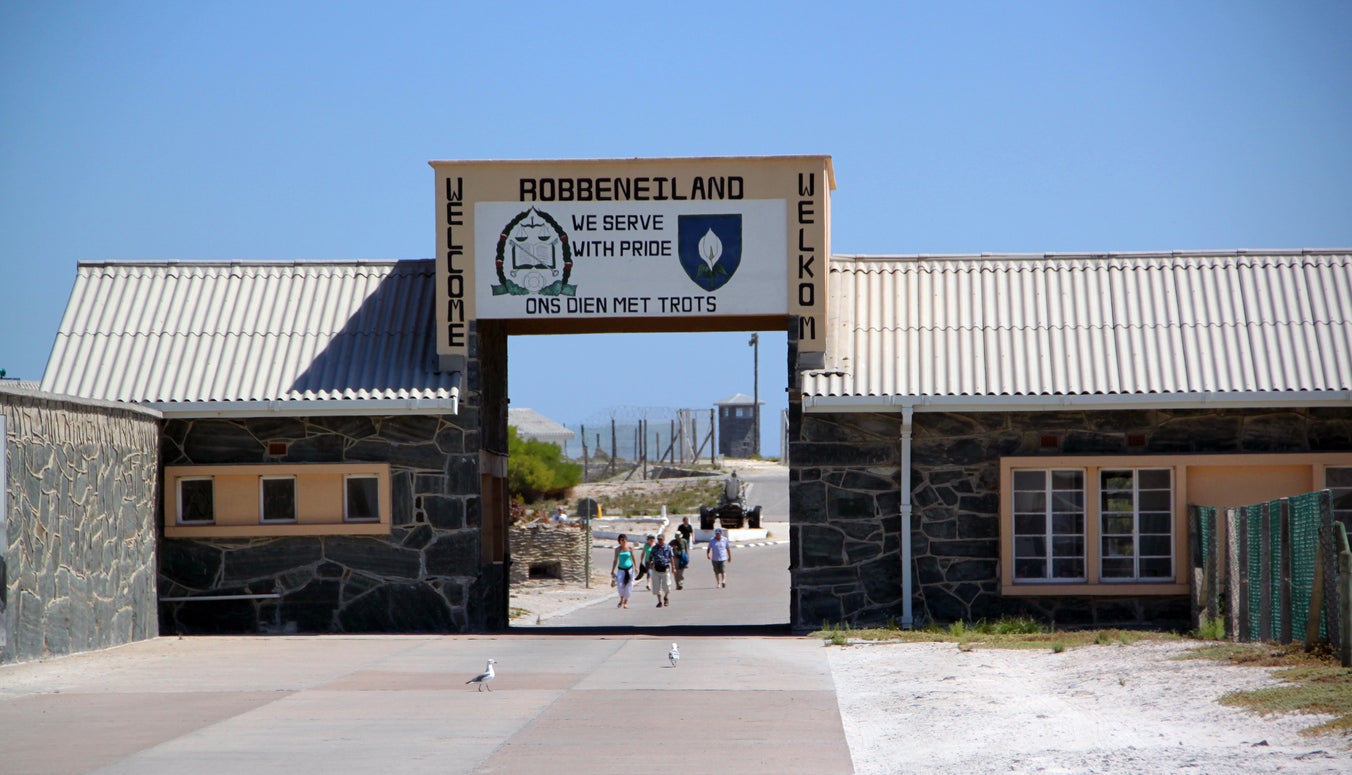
<point>931,708</point>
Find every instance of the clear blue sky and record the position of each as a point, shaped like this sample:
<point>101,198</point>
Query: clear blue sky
<point>250,130</point>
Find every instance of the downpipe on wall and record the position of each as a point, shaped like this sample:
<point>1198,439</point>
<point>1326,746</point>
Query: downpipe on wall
<point>907,415</point>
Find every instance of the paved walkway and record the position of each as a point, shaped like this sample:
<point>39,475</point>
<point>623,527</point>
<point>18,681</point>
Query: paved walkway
<point>336,704</point>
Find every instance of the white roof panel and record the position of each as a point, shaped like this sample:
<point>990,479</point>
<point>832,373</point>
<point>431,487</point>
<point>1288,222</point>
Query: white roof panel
<point>1087,325</point>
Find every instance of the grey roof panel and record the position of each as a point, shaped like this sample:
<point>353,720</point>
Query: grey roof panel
<point>165,332</point>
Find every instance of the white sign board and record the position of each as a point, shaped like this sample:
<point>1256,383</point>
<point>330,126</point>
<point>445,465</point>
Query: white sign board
<point>623,259</point>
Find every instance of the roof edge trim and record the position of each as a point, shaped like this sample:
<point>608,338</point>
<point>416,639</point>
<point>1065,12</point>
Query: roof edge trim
<point>304,408</point>
<point>1242,400</point>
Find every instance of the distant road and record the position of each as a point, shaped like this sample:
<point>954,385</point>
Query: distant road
<point>768,487</point>
<point>757,594</point>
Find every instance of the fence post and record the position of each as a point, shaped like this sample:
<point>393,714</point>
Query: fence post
<point>1316,596</point>
<point>1234,590</point>
<point>1196,569</point>
<point>1344,596</point>
<point>583,436</point>
<point>1334,579</point>
<point>1245,624</point>
<point>1211,570</point>
<point>1284,603</point>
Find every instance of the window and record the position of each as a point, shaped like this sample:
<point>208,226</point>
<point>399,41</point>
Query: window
<point>1117,525</point>
<point>1136,524</point>
<point>361,502</point>
<point>1339,480</point>
<point>1049,521</point>
<point>196,501</point>
<point>278,499</point>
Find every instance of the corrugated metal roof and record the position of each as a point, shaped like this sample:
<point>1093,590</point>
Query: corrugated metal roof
<point>533,425</point>
<point>176,332</point>
<point>736,399</point>
<point>1087,325</point>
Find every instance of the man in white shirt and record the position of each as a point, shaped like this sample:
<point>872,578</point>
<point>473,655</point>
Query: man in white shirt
<point>720,554</point>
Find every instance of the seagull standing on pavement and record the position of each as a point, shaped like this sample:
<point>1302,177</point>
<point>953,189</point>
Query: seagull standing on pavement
<point>674,655</point>
<point>483,678</point>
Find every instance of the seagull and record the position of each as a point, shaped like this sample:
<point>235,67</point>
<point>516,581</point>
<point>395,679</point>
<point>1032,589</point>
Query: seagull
<point>674,655</point>
<point>483,678</point>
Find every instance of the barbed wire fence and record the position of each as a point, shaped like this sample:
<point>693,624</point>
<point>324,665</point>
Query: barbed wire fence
<point>643,440</point>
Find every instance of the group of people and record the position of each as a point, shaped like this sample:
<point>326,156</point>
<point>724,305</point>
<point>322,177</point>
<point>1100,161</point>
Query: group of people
<point>664,563</point>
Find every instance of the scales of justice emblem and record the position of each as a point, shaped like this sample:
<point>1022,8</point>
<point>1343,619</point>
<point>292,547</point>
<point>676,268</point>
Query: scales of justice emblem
<point>533,256</point>
<point>710,248</point>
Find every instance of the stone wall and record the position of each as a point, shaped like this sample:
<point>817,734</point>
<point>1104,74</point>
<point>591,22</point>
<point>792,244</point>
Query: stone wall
<point>844,484</point>
<point>548,547</point>
<point>426,576</point>
<point>77,530</point>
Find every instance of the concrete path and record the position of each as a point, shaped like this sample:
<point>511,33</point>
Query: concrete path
<point>398,704</point>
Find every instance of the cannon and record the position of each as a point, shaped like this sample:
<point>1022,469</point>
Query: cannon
<point>731,512</point>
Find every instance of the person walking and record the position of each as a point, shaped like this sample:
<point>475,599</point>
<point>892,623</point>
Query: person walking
<point>622,571</point>
<point>680,548</point>
<point>719,553</point>
<point>660,560</point>
<point>686,530</point>
<point>643,568</point>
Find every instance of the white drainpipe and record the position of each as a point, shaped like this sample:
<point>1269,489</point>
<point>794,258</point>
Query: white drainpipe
<point>907,414</point>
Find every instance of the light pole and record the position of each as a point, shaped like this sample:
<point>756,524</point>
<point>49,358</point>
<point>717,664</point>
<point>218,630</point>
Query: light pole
<point>754,344</point>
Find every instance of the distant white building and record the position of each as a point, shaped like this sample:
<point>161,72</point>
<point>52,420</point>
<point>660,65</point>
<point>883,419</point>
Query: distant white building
<point>530,424</point>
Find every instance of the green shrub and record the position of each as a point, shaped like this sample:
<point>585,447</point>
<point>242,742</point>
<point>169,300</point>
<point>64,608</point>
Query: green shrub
<point>537,469</point>
<point>1210,629</point>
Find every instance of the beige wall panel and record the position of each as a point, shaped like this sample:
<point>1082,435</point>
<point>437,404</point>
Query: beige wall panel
<point>237,500</point>
<point>319,498</point>
<point>320,494</point>
<point>1246,485</point>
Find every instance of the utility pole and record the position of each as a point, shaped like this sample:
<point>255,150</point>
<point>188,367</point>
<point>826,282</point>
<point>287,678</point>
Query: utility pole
<point>754,344</point>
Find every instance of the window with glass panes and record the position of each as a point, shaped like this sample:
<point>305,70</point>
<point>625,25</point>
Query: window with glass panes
<point>278,499</point>
<point>361,498</point>
<point>1136,524</point>
<point>1339,481</point>
<point>1049,522</point>
<point>196,501</point>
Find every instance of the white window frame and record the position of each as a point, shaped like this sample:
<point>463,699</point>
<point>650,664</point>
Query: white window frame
<point>1342,515</point>
<point>347,517</point>
<point>1135,534</point>
<point>1049,534</point>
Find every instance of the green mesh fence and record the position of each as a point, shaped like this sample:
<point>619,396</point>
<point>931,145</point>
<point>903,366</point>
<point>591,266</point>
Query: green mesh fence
<point>1305,516</point>
<point>1304,548</point>
<point>1252,520</point>
<point>1206,518</point>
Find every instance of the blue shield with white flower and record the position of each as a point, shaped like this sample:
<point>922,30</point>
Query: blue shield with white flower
<point>710,248</point>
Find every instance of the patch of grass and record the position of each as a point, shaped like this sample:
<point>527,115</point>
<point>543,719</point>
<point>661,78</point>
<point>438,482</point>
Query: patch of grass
<point>1308,690</point>
<point>1210,629</point>
<point>1314,682</point>
<point>1008,633</point>
<point>683,499</point>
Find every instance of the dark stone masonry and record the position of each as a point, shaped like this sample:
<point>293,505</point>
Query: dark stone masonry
<point>844,492</point>
<point>425,576</point>
<point>77,532</point>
